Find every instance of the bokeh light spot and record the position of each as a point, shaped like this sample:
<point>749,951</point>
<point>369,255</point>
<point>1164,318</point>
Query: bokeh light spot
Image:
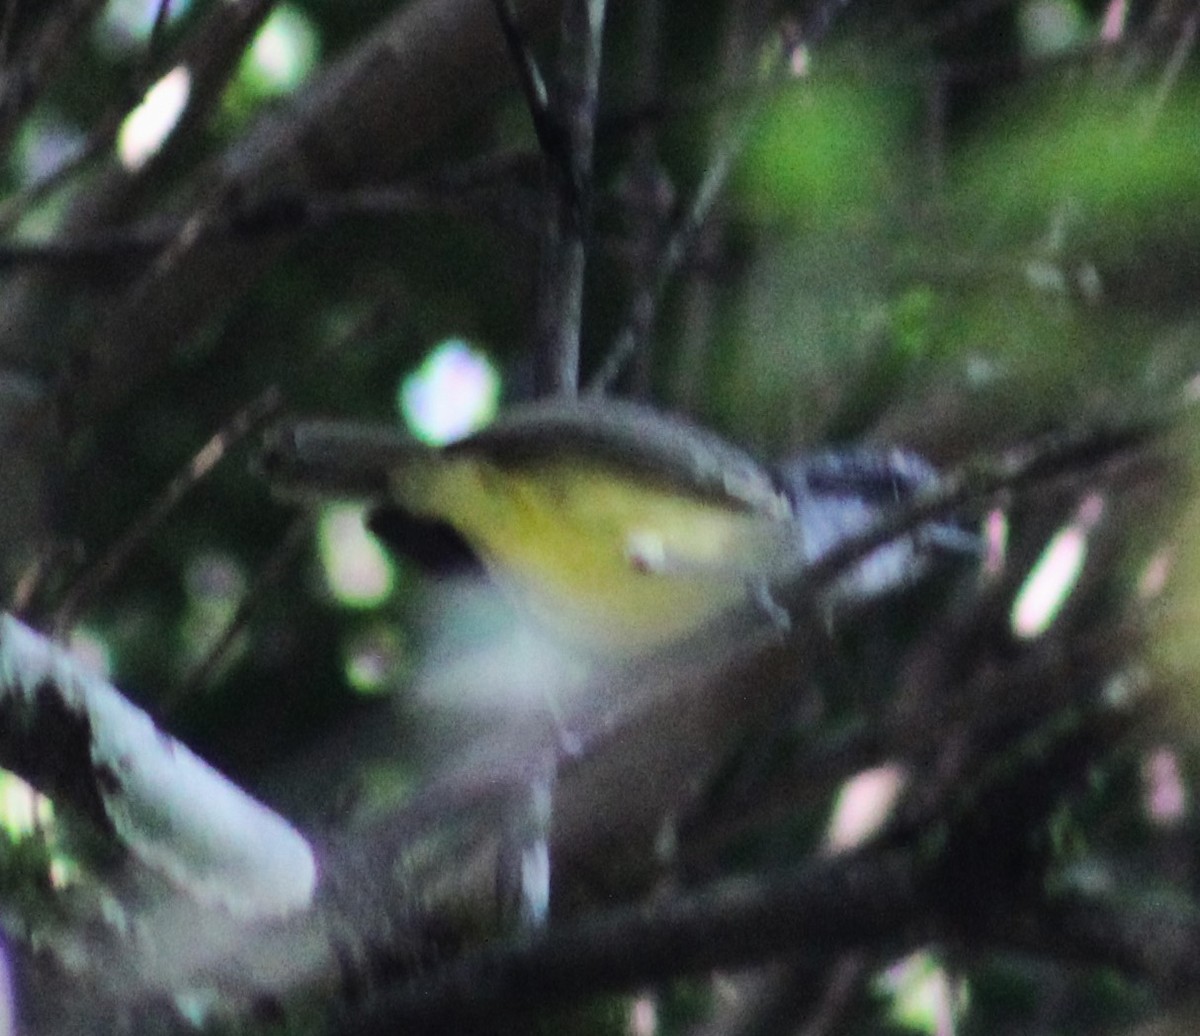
<point>374,660</point>
<point>22,808</point>
<point>1050,582</point>
<point>44,146</point>
<point>1056,573</point>
<point>924,998</point>
<point>1050,27</point>
<point>863,806</point>
<point>454,392</point>
<point>357,570</point>
<point>282,55</point>
<point>125,25</point>
<point>148,126</point>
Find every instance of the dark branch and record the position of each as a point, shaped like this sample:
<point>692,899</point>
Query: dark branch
<point>569,181</point>
<point>533,85</point>
<point>821,909</point>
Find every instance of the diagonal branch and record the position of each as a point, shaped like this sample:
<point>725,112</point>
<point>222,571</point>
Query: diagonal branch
<point>70,733</point>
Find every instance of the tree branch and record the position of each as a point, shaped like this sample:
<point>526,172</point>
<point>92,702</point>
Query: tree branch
<point>818,909</point>
<point>72,735</point>
<point>568,202</point>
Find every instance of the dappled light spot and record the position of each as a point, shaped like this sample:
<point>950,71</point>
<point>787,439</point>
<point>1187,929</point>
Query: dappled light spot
<point>1056,573</point>
<point>453,392</point>
<point>995,540</point>
<point>22,808</point>
<point>924,997</point>
<point>44,146</point>
<point>1157,571</point>
<point>125,25</point>
<point>1164,793</point>
<point>374,660</point>
<point>1051,27</point>
<point>357,570</point>
<point>148,126</point>
<point>282,55</point>
<point>864,805</point>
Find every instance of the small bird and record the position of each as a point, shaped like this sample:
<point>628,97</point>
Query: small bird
<point>619,531</point>
<point>617,528</point>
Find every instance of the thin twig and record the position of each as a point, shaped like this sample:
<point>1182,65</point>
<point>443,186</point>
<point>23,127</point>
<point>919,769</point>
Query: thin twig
<point>1184,45</point>
<point>649,195</point>
<point>646,301</point>
<point>157,29</point>
<point>568,202</point>
<point>210,454</point>
<point>276,566</point>
<point>35,576</point>
<point>533,84</point>
<point>494,188</point>
<point>839,996</point>
<point>1059,456</point>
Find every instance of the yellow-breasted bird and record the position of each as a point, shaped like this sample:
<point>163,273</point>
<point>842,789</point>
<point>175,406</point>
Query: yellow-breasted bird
<point>619,530</point>
<point>616,527</point>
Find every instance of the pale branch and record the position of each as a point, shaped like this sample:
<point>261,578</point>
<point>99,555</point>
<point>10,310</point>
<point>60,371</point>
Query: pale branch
<point>73,735</point>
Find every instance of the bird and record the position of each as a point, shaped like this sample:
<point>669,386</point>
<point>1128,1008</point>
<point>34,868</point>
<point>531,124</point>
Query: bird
<point>614,526</point>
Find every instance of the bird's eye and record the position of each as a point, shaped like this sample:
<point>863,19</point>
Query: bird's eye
<point>646,552</point>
